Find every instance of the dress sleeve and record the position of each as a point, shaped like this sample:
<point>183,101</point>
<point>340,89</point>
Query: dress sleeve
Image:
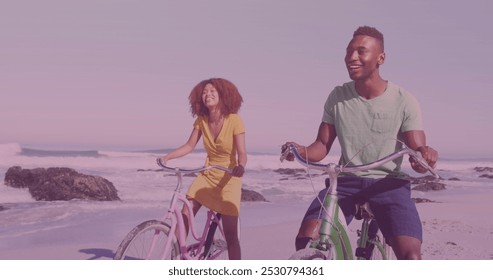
<point>238,126</point>
<point>197,123</point>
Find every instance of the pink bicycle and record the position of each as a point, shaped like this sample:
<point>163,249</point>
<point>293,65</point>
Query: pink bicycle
<point>167,238</point>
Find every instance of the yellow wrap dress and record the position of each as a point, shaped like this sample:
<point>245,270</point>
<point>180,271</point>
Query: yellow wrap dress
<point>216,189</point>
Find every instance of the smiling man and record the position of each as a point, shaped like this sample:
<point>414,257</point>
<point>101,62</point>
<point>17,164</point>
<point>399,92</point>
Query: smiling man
<point>367,115</point>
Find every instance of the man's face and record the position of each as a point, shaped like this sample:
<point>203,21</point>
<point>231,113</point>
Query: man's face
<point>364,54</point>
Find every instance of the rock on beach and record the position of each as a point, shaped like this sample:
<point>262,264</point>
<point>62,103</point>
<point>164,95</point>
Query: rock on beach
<point>60,183</point>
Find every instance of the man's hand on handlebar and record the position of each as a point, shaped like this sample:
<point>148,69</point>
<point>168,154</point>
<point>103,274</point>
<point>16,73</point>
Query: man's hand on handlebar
<point>429,154</point>
<point>288,155</point>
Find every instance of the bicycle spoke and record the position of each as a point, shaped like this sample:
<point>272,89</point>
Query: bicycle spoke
<point>148,241</point>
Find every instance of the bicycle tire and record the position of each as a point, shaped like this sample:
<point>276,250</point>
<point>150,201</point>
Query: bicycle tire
<point>219,247</point>
<point>382,251</point>
<point>312,254</point>
<point>138,244</point>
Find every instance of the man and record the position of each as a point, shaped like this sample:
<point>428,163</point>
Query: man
<point>367,115</point>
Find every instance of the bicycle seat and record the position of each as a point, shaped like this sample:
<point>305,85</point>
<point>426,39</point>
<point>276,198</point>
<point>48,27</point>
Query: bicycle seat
<point>363,211</point>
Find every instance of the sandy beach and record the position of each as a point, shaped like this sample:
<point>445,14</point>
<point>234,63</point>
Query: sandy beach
<point>455,228</point>
<point>458,228</point>
<point>458,242</point>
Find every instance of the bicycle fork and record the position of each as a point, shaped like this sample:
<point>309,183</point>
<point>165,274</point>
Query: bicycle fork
<point>169,240</point>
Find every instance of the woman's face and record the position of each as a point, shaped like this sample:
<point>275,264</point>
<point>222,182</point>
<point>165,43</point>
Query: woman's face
<point>210,96</point>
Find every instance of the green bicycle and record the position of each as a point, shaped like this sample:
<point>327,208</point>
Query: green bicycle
<point>333,241</point>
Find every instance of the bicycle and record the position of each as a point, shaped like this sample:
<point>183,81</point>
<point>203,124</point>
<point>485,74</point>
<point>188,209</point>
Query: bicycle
<point>167,238</point>
<point>333,241</point>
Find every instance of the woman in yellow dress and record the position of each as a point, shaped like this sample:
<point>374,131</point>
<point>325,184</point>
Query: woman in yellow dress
<point>215,102</point>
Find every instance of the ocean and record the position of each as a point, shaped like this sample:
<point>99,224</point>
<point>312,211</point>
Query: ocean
<point>142,186</point>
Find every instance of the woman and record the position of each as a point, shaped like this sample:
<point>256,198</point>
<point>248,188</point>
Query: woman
<point>215,102</point>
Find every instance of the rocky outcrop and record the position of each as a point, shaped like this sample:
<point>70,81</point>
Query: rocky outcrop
<point>17,177</point>
<point>60,183</point>
<point>421,180</point>
<point>421,200</point>
<point>249,195</point>
<point>426,183</point>
<point>429,186</point>
<point>290,171</point>
<point>484,170</point>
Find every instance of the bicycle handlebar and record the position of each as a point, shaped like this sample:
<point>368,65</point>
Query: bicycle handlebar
<point>190,171</point>
<point>338,168</point>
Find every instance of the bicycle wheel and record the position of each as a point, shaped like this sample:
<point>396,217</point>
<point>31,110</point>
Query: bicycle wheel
<point>219,246</point>
<point>146,242</point>
<point>381,250</point>
<point>312,254</point>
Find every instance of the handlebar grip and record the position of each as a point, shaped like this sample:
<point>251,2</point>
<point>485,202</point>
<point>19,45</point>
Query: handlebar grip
<point>287,150</point>
<point>417,156</point>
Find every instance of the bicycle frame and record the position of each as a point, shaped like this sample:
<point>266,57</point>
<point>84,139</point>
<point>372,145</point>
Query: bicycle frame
<point>176,221</point>
<point>333,231</point>
<point>177,224</point>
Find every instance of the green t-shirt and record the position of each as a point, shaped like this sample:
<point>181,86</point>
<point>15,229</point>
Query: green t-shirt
<point>368,129</point>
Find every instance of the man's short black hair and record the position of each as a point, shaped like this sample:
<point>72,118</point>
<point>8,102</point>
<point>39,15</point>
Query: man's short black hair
<point>370,31</point>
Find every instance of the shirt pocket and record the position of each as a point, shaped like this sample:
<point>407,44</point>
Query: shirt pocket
<point>382,122</point>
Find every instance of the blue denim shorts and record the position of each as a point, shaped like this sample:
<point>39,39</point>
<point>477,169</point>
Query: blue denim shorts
<point>389,199</point>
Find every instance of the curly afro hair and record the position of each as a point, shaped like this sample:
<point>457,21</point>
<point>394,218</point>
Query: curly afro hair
<point>229,97</point>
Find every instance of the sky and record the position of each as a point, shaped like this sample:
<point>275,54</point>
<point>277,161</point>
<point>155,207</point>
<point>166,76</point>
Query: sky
<point>116,74</point>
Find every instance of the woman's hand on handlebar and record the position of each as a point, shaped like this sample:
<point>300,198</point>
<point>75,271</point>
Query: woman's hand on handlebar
<point>429,154</point>
<point>238,171</point>
<point>163,160</point>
